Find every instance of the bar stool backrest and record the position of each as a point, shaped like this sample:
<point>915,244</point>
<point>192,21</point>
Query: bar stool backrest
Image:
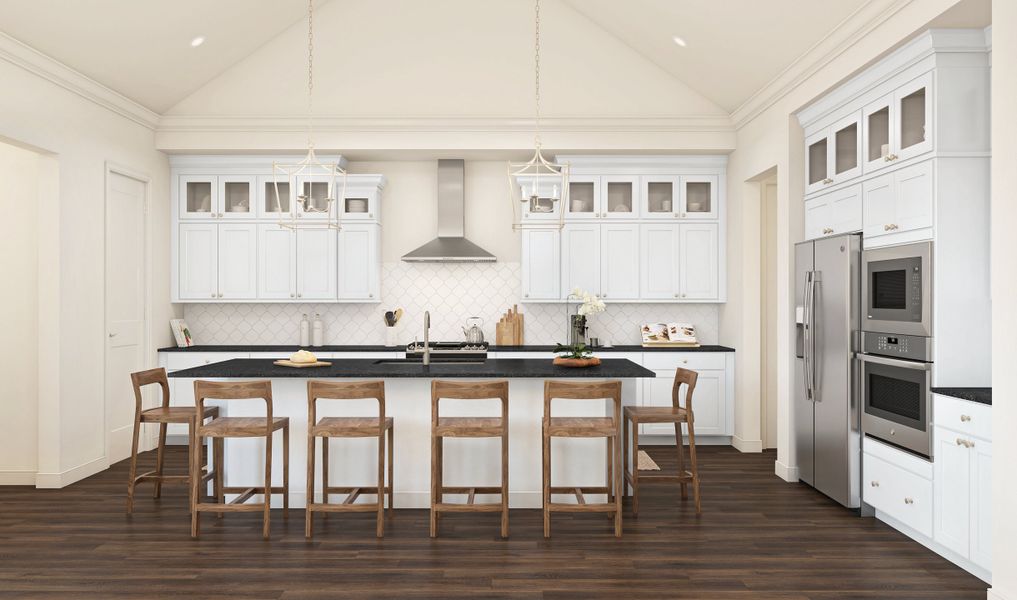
<point>140,379</point>
<point>468,390</point>
<point>345,390</point>
<point>689,378</point>
<point>574,390</point>
<point>239,390</point>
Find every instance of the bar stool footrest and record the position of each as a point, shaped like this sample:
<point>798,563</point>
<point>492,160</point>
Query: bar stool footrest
<point>484,507</point>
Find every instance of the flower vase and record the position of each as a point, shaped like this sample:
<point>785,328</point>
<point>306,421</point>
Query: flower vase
<point>577,330</point>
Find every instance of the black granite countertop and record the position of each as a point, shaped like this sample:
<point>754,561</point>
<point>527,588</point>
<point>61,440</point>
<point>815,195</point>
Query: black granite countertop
<point>982,395</point>
<point>369,348</point>
<point>506,368</point>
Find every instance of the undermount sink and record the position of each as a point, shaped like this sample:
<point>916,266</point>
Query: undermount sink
<point>416,361</point>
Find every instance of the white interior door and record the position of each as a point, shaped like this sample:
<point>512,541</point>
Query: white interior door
<point>125,306</point>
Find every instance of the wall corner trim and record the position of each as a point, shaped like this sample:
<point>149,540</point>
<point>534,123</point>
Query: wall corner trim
<point>743,445</point>
<point>72,475</point>
<point>788,474</point>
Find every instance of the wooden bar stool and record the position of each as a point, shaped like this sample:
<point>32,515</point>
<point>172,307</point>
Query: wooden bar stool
<point>163,415</point>
<point>239,427</point>
<point>348,427</point>
<point>573,427</point>
<point>473,427</point>
<point>636,415</point>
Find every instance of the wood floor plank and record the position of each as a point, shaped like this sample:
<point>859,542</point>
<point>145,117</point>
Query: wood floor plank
<point>757,538</point>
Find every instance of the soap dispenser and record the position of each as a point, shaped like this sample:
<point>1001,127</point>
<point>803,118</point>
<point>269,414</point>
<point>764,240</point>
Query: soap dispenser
<point>305,332</point>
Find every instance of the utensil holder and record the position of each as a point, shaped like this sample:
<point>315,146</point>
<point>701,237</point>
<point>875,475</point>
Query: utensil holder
<point>390,337</point>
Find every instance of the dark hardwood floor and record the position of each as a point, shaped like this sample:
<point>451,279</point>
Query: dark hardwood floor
<point>758,537</point>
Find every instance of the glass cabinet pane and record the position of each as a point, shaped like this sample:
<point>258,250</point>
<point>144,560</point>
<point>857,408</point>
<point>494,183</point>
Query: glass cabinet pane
<point>879,134</point>
<point>846,149</point>
<point>274,205</point>
<point>355,206</point>
<point>237,196</point>
<point>698,196</point>
<point>660,197</point>
<point>817,161</point>
<point>317,192</point>
<point>199,196</point>
<point>619,196</point>
<point>582,197</point>
<point>912,118</point>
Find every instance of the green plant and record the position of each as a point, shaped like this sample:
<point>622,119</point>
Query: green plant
<point>573,351</point>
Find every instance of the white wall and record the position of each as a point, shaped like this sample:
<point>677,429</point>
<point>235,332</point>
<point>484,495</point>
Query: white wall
<point>19,259</point>
<point>1004,290</point>
<point>81,136</point>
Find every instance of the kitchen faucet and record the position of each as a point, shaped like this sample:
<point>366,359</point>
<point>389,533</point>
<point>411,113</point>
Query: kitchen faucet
<point>427,345</point>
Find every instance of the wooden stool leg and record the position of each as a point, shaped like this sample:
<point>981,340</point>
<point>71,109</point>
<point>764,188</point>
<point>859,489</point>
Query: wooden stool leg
<point>635,470</point>
<point>134,466</point>
<point>266,514</point>
<point>286,472</point>
<point>441,475</point>
<point>546,469</point>
<point>195,478</point>
<point>160,457</point>
<point>695,468</point>
<point>625,456</point>
<point>324,472</point>
<point>609,480</point>
<point>218,449</point>
<point>380,525</point>
<point>308,512</point>
<point>391,461</point>
<point>504,482</point>
<point>617,496</point>
<point>435,483</point>
<point>680,443</point>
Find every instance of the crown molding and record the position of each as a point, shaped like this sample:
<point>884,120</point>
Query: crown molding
<point>33,61</point>
<point>850,31</point>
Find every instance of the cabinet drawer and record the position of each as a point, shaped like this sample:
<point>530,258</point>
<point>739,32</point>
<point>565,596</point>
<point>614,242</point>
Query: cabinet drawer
<point>185,360</point>
<point>695,361</point>
<point>963,416</point>
<point>898,493</point>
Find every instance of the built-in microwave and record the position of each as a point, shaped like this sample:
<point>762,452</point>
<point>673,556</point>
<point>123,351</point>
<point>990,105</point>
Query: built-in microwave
<point>897,289</point>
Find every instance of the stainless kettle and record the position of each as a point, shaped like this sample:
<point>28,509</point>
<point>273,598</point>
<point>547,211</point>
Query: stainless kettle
<point>472,331</point>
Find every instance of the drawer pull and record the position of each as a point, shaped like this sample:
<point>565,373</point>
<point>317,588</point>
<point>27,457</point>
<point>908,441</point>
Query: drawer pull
<point>874,484</point>
<point>965,443</point>
<point>965,418</point>
<point>909,501</point>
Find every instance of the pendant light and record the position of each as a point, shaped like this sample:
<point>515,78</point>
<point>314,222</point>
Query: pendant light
<point>320,182</point>
<point>543,185</point>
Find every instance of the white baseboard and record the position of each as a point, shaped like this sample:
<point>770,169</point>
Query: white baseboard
<point>746,445</point>
<point>939,549</point>
<point>994,594</point>
<point>17,477</point>
<point>65,478</point>
<point>789,474</point>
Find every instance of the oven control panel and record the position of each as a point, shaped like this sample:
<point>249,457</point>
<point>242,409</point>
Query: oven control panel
<point>912,347</point>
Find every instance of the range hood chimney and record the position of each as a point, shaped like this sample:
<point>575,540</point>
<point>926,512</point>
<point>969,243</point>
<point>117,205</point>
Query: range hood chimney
<point>451,245</point>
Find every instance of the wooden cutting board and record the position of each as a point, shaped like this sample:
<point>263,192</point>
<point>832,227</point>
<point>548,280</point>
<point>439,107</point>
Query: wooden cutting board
<point>509,329</point>
<point>290,363</point>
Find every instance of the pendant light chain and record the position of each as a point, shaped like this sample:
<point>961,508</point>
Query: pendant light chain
<point>536,72</point>
<point>310,71</point>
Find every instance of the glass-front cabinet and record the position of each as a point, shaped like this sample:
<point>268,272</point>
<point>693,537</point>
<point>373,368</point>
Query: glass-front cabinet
<point>898,125</point>
<point>275,197</point>
<point>360,202</point>
<point>660,197</point>
<point>198,196</point>
<point>698,197</point>
<point>833,154</point>
<point>237,196</point>
<point>620,198</point>
<point>312,196</point>
<point>584,197</point>
<point>540,197</point>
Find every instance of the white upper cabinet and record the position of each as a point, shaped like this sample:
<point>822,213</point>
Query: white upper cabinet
<point>359,263</point>
<point>620,197</point>
<point>198,261</point>
<point>313,192</point>
<point>237,197</point>
<point>834,213</point>
<point>658,261</point>
<point>541,268</point>
<point>661,196</point>
<point>542,197</point>
<point>584,197</point>
<point>912,118</point>
<point>316,264</point>
<point>899,202</point>
<point>238,266</point>
<point>277,252</point>
<point>833,154</point>
<point>878,134</point>
<point>699,197</point>
<point>698,253</point>
<point>619,262</point>
<point>275,198</point>
<point>360,202</point>
<point>198,196</point>
<point>580,257</point>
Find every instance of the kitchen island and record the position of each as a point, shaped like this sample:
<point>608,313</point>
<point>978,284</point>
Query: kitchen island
<point>473,462</point>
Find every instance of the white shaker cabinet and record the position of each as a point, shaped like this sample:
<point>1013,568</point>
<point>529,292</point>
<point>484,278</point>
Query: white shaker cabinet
<point>238,262</point>
<point>619,262</point>
<point>316,264</point>
<point>277,253</point>
<point>541,264</point>
<point>898,202</point>
<point>658,261</point>
<point>834,213</point>
<point>710,402</point>
<point>580,257</point>
<point>698,257</point>
<point>359,266</point>
<point>198,261</point>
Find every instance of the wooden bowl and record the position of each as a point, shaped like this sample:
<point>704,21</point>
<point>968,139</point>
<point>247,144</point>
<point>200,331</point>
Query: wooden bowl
<point>576,362</point>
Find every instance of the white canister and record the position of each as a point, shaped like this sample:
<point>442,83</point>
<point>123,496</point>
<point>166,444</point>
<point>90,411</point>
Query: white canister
<point>317,331</point>
<point>305,332</point>
<point>390,337</point>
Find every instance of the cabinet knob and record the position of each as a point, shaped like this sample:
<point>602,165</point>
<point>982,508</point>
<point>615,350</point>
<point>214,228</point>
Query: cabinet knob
<point>965,443</point>
<point>213,295</point>
<point>683,215</point>
<point>874,483</point>
<point>220,294</point>
<point>676,295</point>
<point>293,295</point>
<point>300,295</point>
<point>676,215</point>
<point>526,295</point>
<point>827,181</point>
<point>965,418</point>
<point>370,295</point>
<point>891,157</point>
<point>909,500</point>
<point>683,295</point>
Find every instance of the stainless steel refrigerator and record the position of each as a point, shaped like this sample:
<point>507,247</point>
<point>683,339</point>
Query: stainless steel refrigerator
<point>826,405</point>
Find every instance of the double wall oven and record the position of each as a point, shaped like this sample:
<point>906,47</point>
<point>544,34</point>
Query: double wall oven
<point>896,357</point>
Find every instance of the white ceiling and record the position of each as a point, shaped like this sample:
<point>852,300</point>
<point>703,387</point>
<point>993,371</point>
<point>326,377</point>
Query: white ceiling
<point>141,48</point>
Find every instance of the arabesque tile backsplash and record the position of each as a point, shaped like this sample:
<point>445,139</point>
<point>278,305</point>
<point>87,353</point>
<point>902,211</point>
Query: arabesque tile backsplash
<point>451,292</point>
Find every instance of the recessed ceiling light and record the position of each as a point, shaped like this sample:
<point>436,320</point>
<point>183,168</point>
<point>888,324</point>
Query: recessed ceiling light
<point>201,40</point>
<point>679,40</point>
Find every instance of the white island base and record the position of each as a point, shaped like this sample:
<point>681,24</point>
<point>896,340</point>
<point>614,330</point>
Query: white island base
<point>468,461</point>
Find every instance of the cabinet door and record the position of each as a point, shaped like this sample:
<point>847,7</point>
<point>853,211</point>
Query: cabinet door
<point>817,159</point>
<point>198,196</point>
<point>846,148</point>
<point>237,196</point>
<point>913,118</point>
<point>580,258</point>
<point>913,197</point>
<point>197,261</point>
<point>699,196</point>
<point>658,261</point>
<point>878,206</point>
<point>698,261</point>
<point>276,262</point>
<point>981,504</point>
<point>542,195</point>
<point>619,251</point>
<point>318,189</point>
<point>541,264</point>
<point>238,262</point>
<point>708,407</point>
<point>359,203</point>
<point>584,197</point>
<point>818,216</point>
<point>619,197</point>
<point>877,134</point>
<point>660,197</point>
<point>275,198</point>
<point>952,506</point>
<point>846,210</point>
<point>316,264</point>
<point>358,262</point>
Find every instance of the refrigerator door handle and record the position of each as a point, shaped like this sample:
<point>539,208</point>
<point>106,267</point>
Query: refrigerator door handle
<point>807,338</point>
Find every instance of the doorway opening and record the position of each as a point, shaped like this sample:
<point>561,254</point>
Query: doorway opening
<point>768,309</point>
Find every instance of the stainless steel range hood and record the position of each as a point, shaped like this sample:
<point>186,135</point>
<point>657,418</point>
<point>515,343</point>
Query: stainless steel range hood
<point>451,244</point>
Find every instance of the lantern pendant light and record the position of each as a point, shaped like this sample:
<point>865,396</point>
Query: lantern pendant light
<point>321,182</point>
<point>543,185</point>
